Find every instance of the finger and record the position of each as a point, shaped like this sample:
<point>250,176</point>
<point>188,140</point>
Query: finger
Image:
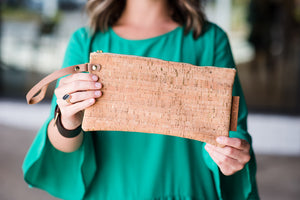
<point>227,165</point>
<point>77,86</point>
<point>229,151</point>
<point>78,77</point>
<point>62,103</point>
<point>234,142</point>
<point>81,96</point>
<point>81,86</point>
<point>237,154</point>
<point>220,158</point>
<point>71,109</point>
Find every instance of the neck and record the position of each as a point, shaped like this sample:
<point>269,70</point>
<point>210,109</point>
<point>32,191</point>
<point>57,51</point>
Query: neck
<point>145,13</point>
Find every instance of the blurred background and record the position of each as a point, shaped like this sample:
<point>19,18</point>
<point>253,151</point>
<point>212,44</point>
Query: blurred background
<point>265,39</point>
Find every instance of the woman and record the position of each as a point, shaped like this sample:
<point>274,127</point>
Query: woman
<point>122,165</point>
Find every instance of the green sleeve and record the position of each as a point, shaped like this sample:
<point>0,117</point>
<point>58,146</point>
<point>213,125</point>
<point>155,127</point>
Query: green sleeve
<point>64,175</point>
<point>241,185</point>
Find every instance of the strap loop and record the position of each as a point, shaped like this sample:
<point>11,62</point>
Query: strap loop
<point>38,92</point>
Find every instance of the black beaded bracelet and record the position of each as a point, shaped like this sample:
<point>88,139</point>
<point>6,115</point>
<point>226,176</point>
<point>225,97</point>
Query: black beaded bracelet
<point>61,129</point>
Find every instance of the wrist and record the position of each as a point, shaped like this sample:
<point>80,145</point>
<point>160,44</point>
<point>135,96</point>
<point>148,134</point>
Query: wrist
<point>66,132</point>
<point>69,123</point>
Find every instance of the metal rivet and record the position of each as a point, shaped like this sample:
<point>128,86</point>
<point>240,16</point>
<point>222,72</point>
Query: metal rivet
<point>94,67</point>
<point>76,68</point>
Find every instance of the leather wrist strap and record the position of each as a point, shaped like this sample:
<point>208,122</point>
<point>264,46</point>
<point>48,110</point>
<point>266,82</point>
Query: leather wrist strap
<point>61,129</point>
<point>37,93</point>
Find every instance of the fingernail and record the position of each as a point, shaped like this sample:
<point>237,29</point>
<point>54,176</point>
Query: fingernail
<point>97,93</point>
<point>95,78</point>
<point>91,100</point>
<point>98,85</point>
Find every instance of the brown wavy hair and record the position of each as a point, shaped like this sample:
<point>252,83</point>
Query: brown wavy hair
<point>105,13</point>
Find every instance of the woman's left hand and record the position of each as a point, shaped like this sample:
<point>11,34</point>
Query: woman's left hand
<point>232,157</point>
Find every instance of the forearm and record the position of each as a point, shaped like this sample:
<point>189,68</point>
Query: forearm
<point>62,143</point>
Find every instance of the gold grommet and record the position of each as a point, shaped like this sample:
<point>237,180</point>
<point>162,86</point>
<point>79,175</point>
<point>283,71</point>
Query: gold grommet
<point>76,68</point>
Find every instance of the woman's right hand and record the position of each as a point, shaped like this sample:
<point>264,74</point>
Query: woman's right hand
<point>83,89</point>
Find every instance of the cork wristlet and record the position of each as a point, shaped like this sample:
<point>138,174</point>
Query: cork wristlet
<point>156,96</point>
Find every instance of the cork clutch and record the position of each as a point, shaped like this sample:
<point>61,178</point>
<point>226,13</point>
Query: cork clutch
<point>155,96</point>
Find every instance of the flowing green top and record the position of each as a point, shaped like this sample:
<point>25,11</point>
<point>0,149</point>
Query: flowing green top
<point>124,165</point>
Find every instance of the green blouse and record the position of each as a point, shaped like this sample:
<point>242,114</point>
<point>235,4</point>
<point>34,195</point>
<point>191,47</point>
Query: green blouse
<point>124,165</point>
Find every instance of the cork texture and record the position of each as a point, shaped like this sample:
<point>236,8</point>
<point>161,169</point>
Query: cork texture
<point>156,96</point>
